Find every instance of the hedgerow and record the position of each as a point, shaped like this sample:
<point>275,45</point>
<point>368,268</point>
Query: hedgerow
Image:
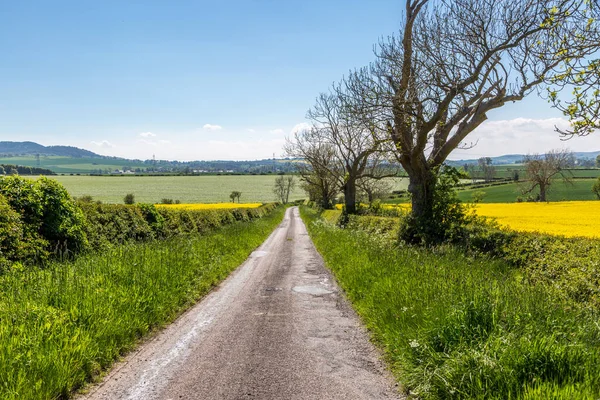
<point>39,220</point>
<point>568,267</point>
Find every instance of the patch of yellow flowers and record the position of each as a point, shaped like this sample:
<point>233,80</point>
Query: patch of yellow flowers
<point>566,218</point>
<point>210,206</point>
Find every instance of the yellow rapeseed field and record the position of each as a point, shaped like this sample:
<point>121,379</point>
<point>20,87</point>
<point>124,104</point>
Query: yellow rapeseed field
<point>210,206</point>
<point>567,218</point>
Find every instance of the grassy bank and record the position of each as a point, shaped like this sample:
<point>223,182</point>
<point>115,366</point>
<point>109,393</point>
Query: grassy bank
<point>59,327</point>
<point>456,327</point>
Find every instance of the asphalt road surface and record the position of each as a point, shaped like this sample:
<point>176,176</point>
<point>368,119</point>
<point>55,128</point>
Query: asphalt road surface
<point>277,328</point>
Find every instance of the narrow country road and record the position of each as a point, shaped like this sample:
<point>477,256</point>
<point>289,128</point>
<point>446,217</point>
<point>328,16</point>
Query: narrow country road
<point>277,328</point>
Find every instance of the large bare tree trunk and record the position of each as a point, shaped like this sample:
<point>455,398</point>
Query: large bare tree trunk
<point>421,186</point>
<point>350,196</point>
<point>542,192</point>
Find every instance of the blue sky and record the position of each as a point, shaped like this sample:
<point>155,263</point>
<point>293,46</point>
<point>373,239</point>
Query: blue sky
<point>201,79</point>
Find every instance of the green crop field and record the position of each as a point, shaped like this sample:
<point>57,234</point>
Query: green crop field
<point>580,190</point>
<point>187,189</point>
<point>71,165</point>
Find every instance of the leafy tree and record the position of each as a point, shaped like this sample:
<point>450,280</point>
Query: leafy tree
<point>515,175</point>
<point>235,195</point>
<point>598,161</point>
<point>283,187</point>
<point>129,198</point>
<point>488,170</point>
<point>543,170</point>
<point>596,188</point>
<point>453,62</point>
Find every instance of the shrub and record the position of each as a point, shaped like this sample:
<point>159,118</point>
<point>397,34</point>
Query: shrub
<point>62,221</point>
<point>596,188</point>
<point>129,198</point>
<point>11,234</point>
<point>51,221</point>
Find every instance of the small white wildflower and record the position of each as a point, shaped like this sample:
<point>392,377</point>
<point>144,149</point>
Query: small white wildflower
<point>413,343</point>
<point>404,309</point>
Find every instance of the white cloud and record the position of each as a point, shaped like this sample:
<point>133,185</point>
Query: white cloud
<point>147,134</point>
<point>522,136</point>
<point>303,126</point>
<point>210,127</point>
<point>104,144</point>
<point>252,130</point>
<point>276,131</point>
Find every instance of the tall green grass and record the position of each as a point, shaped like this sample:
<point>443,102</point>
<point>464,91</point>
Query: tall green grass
<point>458,327</point>
<point>61,326</point>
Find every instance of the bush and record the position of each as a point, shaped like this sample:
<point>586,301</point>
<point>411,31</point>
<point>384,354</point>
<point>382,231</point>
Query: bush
<point>596,188</point>
<point>50,220</point>
<point>129,198</point>
<point>11,234</point>
<point>62,221</point>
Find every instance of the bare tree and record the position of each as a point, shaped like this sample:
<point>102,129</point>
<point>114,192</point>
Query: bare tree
<point>487,168</point>
<point>454,61</point>
<point>374,189</point>
<point>319,180</point>
<point>283,187</point>
<point>543,170</point>
<point>349,148</point>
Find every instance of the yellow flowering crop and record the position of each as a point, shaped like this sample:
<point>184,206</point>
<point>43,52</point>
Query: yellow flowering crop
<point>210,206</point>
<point>567,218</point>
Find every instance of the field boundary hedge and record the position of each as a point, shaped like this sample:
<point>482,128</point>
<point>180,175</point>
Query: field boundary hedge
<point>568,267</point>
<point>39,221</point>
<point>115,224</point>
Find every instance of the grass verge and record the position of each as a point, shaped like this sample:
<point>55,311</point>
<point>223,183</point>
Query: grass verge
<point>458,327</point>
<point>61,326</point>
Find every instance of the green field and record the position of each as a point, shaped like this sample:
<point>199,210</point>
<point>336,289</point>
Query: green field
<point>580,190</point>
<point>71,165</point>
<point>187,189</point>
<point>507,171</point>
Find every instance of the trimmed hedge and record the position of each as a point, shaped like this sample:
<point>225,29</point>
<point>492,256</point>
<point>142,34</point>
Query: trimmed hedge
<point>39,220</point>
<point>115,224</point>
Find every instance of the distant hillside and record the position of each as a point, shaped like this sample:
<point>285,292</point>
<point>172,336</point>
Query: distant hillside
<point>31,148</point>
